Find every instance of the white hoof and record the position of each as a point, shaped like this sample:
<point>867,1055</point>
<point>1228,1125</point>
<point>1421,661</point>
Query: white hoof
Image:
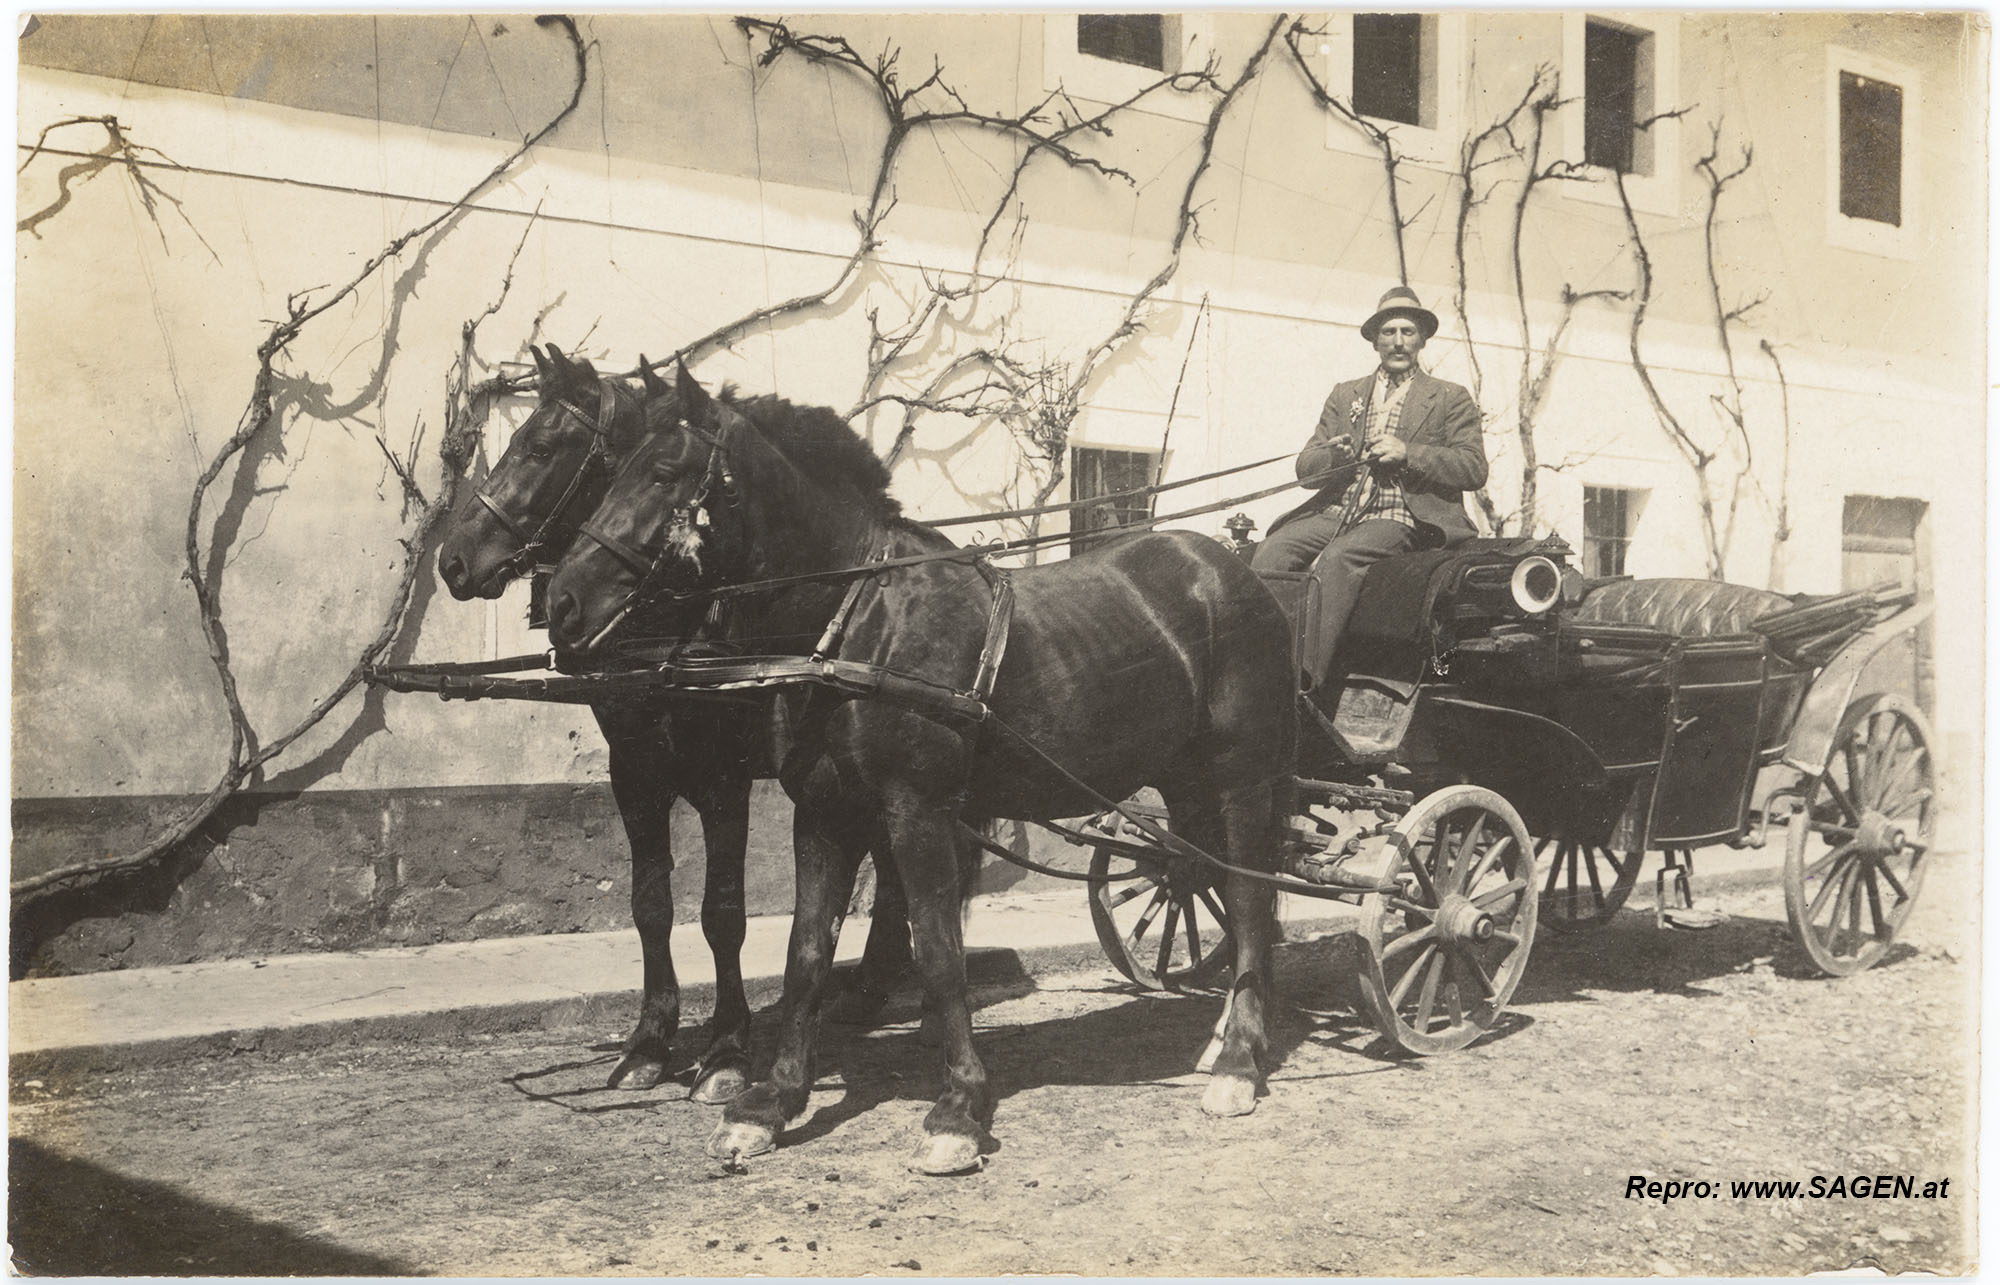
<point>1229,1095</point>
<point>733,1143</point>
<point>945,1153</point>
<point>726,1084</point>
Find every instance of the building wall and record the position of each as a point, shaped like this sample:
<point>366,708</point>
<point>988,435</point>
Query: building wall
<point>685,192</point>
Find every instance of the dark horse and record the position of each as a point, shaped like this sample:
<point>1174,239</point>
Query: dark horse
<point>1159,660</point>
<point>549,480</point>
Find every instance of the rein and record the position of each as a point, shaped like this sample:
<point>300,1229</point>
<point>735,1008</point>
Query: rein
<point>968,553</point>
<point>1109,497</point>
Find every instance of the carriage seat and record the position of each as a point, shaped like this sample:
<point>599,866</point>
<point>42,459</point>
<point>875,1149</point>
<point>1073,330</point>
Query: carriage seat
<point>1683,608</point>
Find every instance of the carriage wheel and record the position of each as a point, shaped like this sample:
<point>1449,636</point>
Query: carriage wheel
<point>1586,885</point>
<point>1445,952</point>
<point>1166,929</point>
<point>1857,850</point>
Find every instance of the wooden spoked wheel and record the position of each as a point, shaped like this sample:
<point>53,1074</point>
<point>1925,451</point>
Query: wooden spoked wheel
<point>1857,850</point>
<point>1166,929</point>
<point>1445,951</point>
<point>1586,884</point>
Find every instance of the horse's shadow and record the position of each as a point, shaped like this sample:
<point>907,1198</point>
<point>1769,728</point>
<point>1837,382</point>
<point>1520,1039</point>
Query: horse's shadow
<point>1144,1039</point>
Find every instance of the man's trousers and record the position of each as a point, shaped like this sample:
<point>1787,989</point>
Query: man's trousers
<point>1340,562</point>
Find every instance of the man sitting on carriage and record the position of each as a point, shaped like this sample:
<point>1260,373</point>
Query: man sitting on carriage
<point>1402,489</point>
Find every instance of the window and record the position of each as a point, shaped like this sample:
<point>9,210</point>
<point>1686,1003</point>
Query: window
<point>1389,68</point>
<point>1136,38</point>
<point>1871,149</point>
<point>1609,515</point>
<point>1872,124</point>
<point>1110,57</point>
<point>1886,540</point>
<point>1620,81</point>
<point>1617,95</point>
<point>1403,72</point>
<point>1095,471</point>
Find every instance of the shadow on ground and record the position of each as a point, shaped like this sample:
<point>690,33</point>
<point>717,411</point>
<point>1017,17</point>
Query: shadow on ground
<point>68,1217</point>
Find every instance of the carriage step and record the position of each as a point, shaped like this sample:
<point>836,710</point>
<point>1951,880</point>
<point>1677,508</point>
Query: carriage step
<point>1692,918</point>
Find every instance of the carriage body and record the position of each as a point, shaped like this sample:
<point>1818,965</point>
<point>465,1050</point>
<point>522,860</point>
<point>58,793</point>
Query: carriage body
<point>1635,714</point>
<point>1629,716</point>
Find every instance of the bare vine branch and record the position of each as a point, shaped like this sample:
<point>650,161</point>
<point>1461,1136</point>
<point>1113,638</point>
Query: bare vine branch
<point>1383,141</point>
<point>119,151</point>
<point>455,449</point>
<point>1032,128</point>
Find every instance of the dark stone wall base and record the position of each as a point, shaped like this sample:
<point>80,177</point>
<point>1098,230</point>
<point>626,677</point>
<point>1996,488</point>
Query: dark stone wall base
<point>344,870</point>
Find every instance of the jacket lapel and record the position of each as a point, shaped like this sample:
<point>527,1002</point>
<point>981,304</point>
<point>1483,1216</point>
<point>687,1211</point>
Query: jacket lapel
<point>1416,406</point>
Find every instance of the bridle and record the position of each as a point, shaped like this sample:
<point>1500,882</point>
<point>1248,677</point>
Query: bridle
<point>716,492</point>
<point>599,455</point>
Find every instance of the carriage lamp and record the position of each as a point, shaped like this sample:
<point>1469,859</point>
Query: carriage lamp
<point>1239,528</point>
<point>1536,584</point>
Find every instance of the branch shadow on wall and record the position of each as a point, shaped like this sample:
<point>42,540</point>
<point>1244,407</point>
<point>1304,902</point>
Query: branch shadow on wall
<point>149,889</point>
<point>70,1217</point>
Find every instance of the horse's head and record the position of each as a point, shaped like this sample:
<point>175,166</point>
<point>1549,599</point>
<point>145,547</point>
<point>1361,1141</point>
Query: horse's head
<point>553,473</point>
<point>661,528</point>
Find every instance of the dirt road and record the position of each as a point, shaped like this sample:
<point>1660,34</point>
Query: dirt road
<point>1632,1053</point>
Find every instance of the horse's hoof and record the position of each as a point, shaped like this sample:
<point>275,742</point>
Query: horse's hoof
<point>723,1084</point>
<point>733,1142</point>
<point>946,1153</point>
<point>1229,1095</point>
<point>638,1071</point>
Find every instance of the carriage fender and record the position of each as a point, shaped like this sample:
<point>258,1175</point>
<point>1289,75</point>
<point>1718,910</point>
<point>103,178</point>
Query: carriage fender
<point>1529,732</point>
<point>1832,691</point>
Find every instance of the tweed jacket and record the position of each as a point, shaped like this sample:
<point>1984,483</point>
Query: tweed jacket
<point>1440,428</point>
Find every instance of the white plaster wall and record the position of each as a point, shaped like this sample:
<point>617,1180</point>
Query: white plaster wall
<point>135,357</point>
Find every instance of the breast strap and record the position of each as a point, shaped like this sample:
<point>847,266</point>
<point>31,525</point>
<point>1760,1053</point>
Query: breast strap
<point>999,623</point>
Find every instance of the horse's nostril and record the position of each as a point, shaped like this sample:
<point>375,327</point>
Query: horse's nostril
<point>564,617</point>
<point>453,570</point>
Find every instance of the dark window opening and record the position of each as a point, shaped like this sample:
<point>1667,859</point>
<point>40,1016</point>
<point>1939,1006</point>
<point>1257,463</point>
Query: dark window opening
<point>1095,471</point>
<point>1871,149</point>
<point>1136,38</point>
<point>1607,530</point>
<point>1389,66</point>
<point>1612,74</point>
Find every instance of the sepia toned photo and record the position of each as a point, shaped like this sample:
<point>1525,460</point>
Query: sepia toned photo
<point>958,644</point>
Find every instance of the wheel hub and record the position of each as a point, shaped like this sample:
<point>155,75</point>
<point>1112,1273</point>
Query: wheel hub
<point>1878,835</point>
<point>1459,920</point>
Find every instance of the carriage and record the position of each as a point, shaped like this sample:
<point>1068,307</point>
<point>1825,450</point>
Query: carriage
<point>1497,719</point>
<point>1502,744</point>
<point>1487,705</point>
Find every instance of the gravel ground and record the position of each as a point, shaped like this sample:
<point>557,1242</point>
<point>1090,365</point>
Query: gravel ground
<point>1695,1056</point>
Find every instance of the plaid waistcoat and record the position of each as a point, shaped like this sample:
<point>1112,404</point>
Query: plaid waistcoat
<point>1371,496</point>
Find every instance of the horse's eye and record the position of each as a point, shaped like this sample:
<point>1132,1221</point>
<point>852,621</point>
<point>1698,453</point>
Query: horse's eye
<point>540,450</point>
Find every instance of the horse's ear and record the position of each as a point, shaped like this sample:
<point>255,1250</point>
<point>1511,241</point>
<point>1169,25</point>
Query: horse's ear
<point>693,397</point>
<point>650,378</point>
<point>543,370</point>
<point>568,374</point>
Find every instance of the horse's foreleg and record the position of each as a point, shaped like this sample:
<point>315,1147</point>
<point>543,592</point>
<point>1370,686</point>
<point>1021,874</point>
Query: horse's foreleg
<point>645,802</point>
<point>925,842</point>
<point>724,805</point>
<point>1237,1073</point>
<point>825,864</point>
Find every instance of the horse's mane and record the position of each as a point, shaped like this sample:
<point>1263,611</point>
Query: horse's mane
<point>818,440</point>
